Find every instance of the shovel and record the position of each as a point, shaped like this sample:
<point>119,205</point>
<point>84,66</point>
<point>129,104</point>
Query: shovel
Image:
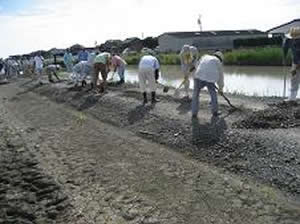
<point>284,78</point>
<point>165,88</point>
<point>227,100</point>
<point>177,90</point>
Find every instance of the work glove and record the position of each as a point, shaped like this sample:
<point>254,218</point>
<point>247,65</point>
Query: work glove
<point>192,69</point>
<point>293,72</point>
<point>220,91</point>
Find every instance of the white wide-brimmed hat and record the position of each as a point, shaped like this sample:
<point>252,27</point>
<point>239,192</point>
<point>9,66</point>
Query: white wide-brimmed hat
<point>219,54</point>
<point>294,33</point>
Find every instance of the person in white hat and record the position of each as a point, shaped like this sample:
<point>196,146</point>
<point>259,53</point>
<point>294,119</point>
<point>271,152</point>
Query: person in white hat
<point>292,41</point>
<point>188,57</point>
<point>208,72</point>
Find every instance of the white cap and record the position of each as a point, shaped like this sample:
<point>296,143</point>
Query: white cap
<point>294,33</point>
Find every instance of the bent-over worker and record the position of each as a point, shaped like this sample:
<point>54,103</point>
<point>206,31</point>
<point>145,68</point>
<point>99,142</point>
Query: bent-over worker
<point>51,70</point>
<point>119,65</point>
<point>148,69</point>
<point>208,72</point>
<point>101,64</point>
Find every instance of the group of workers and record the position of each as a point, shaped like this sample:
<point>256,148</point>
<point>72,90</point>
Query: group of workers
<point>206,71</point>
<point>91,64</point>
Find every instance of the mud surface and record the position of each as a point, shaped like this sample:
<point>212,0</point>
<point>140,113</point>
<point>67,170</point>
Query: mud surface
<point>27,194</point>
<point>111,160</point>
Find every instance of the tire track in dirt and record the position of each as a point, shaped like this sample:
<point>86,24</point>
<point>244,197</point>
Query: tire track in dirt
<point>27,194</point>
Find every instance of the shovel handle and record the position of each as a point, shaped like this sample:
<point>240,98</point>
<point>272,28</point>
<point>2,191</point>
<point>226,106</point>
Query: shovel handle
<point>227,100</point>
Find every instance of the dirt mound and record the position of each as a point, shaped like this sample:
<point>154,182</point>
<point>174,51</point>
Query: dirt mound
<point>282,115</point>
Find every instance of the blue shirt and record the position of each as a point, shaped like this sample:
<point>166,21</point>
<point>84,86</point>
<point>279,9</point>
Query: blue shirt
<point>83,56</point>
<point>68,58</point>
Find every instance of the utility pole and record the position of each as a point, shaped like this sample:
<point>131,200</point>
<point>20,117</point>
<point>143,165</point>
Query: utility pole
<point>200,22</point>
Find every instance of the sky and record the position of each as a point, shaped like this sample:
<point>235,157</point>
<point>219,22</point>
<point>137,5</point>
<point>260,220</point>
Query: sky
<point>30,25</point>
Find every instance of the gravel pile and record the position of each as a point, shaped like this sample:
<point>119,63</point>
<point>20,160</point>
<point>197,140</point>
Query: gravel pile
<point>276,116</point>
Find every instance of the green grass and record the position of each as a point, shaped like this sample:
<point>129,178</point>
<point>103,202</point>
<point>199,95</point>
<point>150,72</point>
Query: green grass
<point>261,56</point>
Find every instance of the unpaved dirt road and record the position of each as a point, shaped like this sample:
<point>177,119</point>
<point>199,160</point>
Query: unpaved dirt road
<point>71,156</point>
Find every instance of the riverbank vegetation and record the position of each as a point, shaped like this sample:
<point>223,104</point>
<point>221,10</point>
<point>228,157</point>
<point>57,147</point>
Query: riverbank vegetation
<point>259,56</point>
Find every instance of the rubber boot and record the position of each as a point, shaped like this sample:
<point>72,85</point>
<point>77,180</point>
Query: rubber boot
<point>121,82</point>
<point>153,98</point>
<point>145,98</point>
<point>83,83</point>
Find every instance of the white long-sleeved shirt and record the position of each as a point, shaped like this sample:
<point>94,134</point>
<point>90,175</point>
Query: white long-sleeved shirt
<point>148,61</point>
<point>210,69</point>
<point>38,60</point>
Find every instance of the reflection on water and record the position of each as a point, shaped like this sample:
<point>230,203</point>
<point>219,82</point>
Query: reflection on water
<point>249,80</point>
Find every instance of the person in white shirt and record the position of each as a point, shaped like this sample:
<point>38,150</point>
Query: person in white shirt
<point>148,69</point>
<point>208,72</point>
<point>38,62</point>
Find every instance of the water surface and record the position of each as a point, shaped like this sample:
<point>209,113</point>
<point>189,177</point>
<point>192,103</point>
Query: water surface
<point>248,80</point>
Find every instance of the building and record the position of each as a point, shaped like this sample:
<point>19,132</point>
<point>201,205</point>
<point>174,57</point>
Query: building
<point>205,40</point>
<point>284,28</point>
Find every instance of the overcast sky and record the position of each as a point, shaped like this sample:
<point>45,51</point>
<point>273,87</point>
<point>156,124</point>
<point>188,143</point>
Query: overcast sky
<point>29,25</point>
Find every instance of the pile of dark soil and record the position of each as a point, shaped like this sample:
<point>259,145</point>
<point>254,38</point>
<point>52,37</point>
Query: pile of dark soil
<point>282,115</point>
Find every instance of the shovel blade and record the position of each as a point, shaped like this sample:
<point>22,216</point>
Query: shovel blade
<point>166,89</point>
